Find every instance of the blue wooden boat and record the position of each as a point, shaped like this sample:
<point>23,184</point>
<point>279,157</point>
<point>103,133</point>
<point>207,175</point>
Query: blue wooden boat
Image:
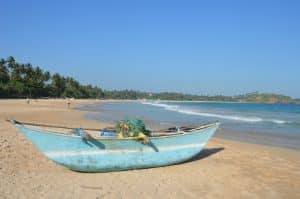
<point>103,154</point>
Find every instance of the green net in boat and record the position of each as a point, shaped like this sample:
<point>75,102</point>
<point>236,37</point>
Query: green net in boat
<point>131,127</point>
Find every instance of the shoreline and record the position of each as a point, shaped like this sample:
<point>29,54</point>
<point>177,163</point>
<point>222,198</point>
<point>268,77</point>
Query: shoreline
<point>225,168</point>
<point>153,100</point>
<point>239,134</point>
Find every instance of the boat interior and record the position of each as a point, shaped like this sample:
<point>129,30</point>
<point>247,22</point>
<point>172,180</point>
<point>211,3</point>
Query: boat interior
<point>98,133</point>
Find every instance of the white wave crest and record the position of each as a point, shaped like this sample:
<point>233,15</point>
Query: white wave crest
<point>204,114</point>
<point>165,106</point>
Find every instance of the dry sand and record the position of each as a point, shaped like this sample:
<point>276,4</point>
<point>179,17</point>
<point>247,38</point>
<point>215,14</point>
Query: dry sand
<point>225,169</point>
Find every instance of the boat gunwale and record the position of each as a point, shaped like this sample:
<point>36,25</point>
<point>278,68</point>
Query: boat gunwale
<point>180,133</point>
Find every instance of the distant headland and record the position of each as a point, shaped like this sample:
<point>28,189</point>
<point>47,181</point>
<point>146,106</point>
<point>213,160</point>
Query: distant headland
<point>19,80</point>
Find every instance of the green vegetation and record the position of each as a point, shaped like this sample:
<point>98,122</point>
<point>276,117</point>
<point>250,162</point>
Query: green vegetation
<point>23,80</point>
<point>297,101</point>
<point>266,98</point>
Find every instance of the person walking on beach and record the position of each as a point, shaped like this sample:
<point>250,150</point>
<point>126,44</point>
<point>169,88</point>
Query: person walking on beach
<point>27,100</point>
<point>69,103</point>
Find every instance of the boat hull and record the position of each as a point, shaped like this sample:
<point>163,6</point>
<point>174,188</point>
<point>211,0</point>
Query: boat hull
<point>103,155</point>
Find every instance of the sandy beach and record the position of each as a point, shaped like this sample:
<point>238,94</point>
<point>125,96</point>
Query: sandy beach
<point>225,169</point>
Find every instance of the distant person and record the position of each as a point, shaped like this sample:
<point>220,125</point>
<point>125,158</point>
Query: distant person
<point>69,103</point>
<point>28,100</point>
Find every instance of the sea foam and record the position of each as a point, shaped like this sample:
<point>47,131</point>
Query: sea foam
<point>183,110</point>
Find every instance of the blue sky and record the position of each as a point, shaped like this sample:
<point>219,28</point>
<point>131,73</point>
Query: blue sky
<point>201,47</point>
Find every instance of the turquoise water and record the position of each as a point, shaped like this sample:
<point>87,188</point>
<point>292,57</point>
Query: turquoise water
<point>271,124</point>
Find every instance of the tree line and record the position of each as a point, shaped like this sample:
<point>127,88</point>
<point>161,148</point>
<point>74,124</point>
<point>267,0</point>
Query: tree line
<point>18,80</point>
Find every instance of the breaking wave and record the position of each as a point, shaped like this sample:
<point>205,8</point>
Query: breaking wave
<point>205,114</point>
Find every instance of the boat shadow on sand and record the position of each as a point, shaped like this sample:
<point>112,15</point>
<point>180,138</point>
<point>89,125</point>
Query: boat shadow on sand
<point>204,154</point>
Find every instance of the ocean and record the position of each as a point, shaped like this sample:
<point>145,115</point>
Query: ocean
<point>267,124</point>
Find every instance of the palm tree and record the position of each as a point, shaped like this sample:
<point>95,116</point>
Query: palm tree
<point>4,75</point>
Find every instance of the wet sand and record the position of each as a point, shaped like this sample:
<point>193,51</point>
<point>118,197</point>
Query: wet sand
<point>225,169</point>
